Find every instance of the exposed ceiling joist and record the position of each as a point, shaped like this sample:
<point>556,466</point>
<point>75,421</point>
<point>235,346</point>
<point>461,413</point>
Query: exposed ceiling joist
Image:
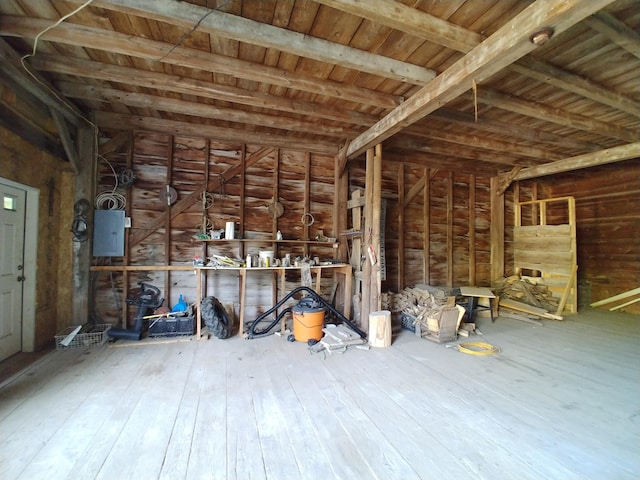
<point>177,84</point>
<point>407,19</point>
<point>603,157</point>
<point>507,45</point>
<point>617,31</point>
<point>118,121</point>
<point>547,73</point>
<point>199,109</point>
<point>248,31</point>
<point>513,130</point>
<point>483,142</point>
<point>110,41</point>
<point>556,115</point>
<point>431,28</point>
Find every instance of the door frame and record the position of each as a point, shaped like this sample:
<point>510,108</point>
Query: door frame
<point>29,264</point>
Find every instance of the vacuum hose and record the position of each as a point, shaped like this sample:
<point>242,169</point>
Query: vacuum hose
<point>254,332</point>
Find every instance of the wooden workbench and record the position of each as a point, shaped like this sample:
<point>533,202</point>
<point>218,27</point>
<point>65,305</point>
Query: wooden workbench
<point>339,269</point>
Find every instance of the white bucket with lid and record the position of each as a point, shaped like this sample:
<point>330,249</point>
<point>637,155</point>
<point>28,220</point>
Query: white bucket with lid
<point>266,258</point>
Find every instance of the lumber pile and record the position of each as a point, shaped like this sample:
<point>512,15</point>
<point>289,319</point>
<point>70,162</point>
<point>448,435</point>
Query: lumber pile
<point>619,301</point>
<point>523,295</point>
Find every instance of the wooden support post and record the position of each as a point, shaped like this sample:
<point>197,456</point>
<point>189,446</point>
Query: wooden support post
<point>400,283</point>
<point>472,229</point>
<point>450,239</point>
<point>376,280</point>
<point>167,223</point>
<point>497,231</point>
<point>125,259</point>
<point>85,189</point>
<point>426,220</point>
<point>371,282</point>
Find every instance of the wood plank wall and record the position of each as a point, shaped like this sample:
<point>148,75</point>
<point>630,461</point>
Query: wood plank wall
<point>445,225</point>
<point>302,182</point>
<point>608,227</point>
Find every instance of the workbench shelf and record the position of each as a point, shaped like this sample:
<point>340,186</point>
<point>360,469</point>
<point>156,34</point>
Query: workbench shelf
<point>275,245</point>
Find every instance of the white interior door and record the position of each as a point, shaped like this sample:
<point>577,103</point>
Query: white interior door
<point>12,224</point>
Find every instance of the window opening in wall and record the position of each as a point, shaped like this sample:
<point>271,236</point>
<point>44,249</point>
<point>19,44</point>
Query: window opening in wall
<point>10,203</point>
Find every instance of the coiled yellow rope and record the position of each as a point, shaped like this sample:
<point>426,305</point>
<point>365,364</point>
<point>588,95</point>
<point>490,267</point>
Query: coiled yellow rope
<point>478,348</point>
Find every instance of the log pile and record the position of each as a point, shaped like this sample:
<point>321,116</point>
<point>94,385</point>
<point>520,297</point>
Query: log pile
<point>413,300</point>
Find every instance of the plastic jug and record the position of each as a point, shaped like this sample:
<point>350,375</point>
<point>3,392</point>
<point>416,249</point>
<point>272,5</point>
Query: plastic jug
<point>181,306</point>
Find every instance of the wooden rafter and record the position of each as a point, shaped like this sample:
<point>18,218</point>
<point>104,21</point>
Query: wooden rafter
<point>552,75</point>
<point>197,109</point>
<point>495,126</point>
<point>135,122</point>
<point>434,29</point>
<point>138,47</point>
<point>248,31</point>
<point>556,115</point>
<point>67,141</point>
<point>610,155</point>
<point>78,67</point>
<point>616,31</point>
<point>507,45</point>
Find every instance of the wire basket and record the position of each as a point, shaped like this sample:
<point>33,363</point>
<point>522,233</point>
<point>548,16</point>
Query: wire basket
<point>94,338</point>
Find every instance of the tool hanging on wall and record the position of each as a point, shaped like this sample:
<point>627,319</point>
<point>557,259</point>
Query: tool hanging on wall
<point>276,209</point>
<point>80,225</point>
<point>168,195</point>
<point>206,202</point>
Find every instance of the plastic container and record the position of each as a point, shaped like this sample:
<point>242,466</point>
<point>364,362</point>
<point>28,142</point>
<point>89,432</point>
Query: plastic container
<point>307,323</point>
<point>266,258</point>
<point>181,306</point>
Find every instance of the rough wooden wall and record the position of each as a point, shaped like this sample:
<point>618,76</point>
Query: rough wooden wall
<point>303,183</point>
<point>608,227</point>
<point>445,225</point>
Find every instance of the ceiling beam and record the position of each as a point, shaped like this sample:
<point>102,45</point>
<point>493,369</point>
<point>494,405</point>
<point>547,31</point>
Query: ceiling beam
<point>616,31</point>
<point>423,25</point>
<point>200,109</point>
<point>174,83</point>
<point>473,140</point>
<point>245,30</point>
<point>118,121</point>
<point>511,130</point>
<point>556,115</point>
<point>507,45</point>
<point>552,75</point>
<point>593,159</point>
<point>113,42</point>
<point>410,20</point>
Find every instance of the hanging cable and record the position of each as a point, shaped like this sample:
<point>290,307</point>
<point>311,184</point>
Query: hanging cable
<point>193,29</point>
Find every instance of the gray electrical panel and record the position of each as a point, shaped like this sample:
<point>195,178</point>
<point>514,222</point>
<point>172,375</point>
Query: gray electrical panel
<point>108,233</point>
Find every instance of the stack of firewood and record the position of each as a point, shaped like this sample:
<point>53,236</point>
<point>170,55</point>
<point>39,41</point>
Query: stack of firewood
<point>412,300</point>
<point>526,291</point>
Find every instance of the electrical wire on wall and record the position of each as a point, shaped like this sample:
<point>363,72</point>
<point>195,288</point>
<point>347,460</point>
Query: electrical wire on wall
<point>54,93</point>
<point>112,200</point>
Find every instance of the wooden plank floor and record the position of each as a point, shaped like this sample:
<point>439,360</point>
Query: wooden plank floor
<point>561,401</point>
